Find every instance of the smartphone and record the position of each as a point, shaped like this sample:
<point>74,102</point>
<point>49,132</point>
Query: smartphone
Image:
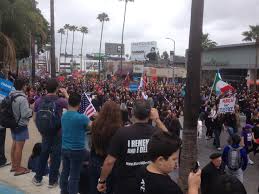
<point>195,167</point>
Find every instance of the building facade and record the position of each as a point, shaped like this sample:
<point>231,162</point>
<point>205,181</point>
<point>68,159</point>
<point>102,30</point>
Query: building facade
<point>235,62</point>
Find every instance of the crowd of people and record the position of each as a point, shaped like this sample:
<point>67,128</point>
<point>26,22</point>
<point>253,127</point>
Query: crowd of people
<point>133,140</point>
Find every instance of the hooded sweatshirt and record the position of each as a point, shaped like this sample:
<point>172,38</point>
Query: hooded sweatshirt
<point>21,109</point>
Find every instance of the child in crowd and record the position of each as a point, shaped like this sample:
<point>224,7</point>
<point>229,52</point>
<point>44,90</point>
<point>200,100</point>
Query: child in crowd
<point>247,140</point>
<point>35,159</point>
<point>163,150</point>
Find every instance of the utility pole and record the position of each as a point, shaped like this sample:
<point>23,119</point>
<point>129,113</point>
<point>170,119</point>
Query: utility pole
<point>173,60</point>
<point>192,97</point>
<point>52,31</point>
<point>122,35</point>
<point>100,50</point>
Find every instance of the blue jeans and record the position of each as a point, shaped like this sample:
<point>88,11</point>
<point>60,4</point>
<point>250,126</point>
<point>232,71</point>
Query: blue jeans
<point>95,167</point>
<point>2,146</point>
<point>51,146</point>
<point>217,138</point>
<point>72,161</point>
<point>231,131</point>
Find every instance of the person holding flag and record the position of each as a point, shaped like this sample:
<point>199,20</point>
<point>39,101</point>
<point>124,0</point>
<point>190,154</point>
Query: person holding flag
<point>221,87</point>
<point>74,126</point>
<point>127,80</point>
<point>143,82</point>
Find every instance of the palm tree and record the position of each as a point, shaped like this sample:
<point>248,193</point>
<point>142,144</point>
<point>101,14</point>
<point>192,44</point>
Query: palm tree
<point>207,43</point>
<point>83,30</point>
<point>122,35</point>
<point>61,31</point>
<point>73,29</point>
<point>66,27</point>
<point>192,97</point>
<point>103,17</point>
<point>253,35</point>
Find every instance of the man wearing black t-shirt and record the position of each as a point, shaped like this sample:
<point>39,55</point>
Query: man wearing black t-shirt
<point>128,149</point>
<point>163,150</point>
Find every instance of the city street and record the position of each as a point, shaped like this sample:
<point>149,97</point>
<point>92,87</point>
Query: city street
<point>205,148</point>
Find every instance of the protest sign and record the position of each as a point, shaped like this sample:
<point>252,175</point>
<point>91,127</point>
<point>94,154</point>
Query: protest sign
<point>227,105</point>
<point>133,87</point>
<point>6,87</point>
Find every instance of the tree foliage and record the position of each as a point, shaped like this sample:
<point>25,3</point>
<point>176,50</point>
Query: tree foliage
<point>83,30</point>
<point>207,43</point>
<point>61,31</point>
<point>103,17</point>
<point>165,55</point>
<point>252,34</point>
<point>21,19</point>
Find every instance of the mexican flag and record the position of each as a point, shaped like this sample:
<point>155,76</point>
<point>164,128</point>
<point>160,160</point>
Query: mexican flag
<point>220,86</point>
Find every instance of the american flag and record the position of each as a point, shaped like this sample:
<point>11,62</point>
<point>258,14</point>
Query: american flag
<point>86,107</point>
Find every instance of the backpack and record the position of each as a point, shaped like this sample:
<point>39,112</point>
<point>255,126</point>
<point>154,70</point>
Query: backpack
<point>48,121</point>
<point>7,119</point>
<point>234,158</point>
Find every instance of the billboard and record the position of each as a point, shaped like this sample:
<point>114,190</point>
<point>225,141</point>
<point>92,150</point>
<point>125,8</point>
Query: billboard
<point>139,50</point>
<point>114,49</point>
<point>138,69</point>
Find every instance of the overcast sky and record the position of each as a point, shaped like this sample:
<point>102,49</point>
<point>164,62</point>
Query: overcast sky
<point>152,20</point>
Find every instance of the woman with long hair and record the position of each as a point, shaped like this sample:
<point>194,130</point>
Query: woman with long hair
<point>108,121</point>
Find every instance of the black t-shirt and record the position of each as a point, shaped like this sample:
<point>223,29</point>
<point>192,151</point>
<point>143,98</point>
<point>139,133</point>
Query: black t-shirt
<point>256,132</point>
<point>151,183</point>
<point>129,147</point>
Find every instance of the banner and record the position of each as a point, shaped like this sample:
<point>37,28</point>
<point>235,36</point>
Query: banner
<point>227,105</point>
<point>133,87</point>
<point>138,69</point>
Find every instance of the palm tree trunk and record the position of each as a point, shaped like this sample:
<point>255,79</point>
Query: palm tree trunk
<point>73,46</point>
<point>256,63</point>
<point>32,57</point>
<point>33,49</point>
<point>52,31</point>
<point>122,36</point>
<point>82,44</point>
<point>192,98</point>
<point>100,48</point>
<point>66,48</point>
<point>61,40</point>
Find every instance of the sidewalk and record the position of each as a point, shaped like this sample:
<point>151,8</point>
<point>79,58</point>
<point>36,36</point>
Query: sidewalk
<point>24,183</point>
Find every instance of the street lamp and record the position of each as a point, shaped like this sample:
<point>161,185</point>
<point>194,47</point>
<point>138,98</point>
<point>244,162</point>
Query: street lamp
<point>122,35</point>
<point>173,59</point>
